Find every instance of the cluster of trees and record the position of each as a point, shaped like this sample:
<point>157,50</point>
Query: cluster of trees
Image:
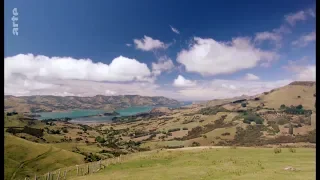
<point>11,113</point>
<point>212,110</point>
<point>250,117</point>
<point>295,110</point>
<point>66,119</point>
<point>28,130</point>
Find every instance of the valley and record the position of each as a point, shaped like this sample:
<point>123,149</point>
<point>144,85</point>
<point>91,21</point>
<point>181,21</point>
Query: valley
<point>235,138</point>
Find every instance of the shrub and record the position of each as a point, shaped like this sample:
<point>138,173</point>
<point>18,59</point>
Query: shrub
<point>299,96</point>
<point>252,118</point>
<point>282,121</point>
<point>225,134</point>
<point>204,136</point>
<point>185,128</point>
<point>299,106</point>
<point>78,139</point>
<point>100,139</point>
<point>282,106</point>
<point>292,150</point>
<point>174,129</point>
<point>65,130</point>
<point>243,104</point>
<point>194,144</point>
<point>257,99</point>
<point>277,150</point>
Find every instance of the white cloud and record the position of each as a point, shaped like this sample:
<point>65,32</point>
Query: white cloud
<point>251,77</point>
<point>302,71</point>
<point>209,57</point>
<point>305,39</point>
<point>148,44</point>
<point>182,82</point>
<point>220,89</point>
<point>164,64</point>
<point>174,30</point>
<point>43,67</point>
<point>299,16</point>
<point>308,73</point>
<point>128,45</point>
<point>271,36</point>
<point>283,29</point>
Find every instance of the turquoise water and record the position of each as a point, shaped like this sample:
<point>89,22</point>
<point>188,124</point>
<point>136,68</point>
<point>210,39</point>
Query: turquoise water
<point>78,115</point>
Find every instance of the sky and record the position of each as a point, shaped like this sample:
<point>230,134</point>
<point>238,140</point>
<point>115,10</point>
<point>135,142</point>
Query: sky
<point>191,51</point>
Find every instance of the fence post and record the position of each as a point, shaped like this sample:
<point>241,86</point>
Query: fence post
<point>65,174</point>
<point>58,175</point>
<point>77,170</point>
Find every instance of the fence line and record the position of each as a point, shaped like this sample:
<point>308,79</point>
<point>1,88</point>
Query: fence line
<point>82,169</point>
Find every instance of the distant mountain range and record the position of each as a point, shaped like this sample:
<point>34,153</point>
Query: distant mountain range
<point>59,103</point>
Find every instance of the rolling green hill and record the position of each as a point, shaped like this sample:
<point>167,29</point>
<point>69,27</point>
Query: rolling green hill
<point>23,158</point>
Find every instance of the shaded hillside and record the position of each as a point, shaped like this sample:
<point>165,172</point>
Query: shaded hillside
<point>58,103</point>
<point>25,158</point>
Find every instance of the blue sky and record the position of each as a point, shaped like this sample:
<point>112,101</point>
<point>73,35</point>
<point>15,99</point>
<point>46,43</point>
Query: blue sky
<point>194,51</point>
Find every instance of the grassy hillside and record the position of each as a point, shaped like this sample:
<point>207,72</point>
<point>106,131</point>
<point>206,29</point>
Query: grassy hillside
<point>24,158</point>
<point>293,94</point>
<point>222,164</point>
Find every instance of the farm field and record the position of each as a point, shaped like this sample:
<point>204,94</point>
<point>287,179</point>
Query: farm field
<point>214,163</point>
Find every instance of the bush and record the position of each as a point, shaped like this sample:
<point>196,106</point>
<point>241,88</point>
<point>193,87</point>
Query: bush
<point>100,139</point>
<point>195,144</point>
<point>282,106</point>
<point>299,106</point>
<point>65,130</point>
<point>252,118</point>
<point>257,99</point>
<point>243,104</point>
<point>282,121</point>
<point>292,150</point>
<point>204,136</point>
<point>174,129</point>
<point>277,150</point>
<point>185,128</point>
<point>299,96</point>
<point>225,134</point>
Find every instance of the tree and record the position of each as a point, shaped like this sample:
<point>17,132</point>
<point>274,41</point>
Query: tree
<point>299,106</point>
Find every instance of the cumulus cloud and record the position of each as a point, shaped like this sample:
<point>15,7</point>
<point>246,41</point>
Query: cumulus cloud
<point>163,64</point>
<point>302,70</point>
<point>210,57</point>
<point>128,45</point>
<point>251,77</point>
<point>180,81</point>
<point>33,67</point>
<point>305,39</point>
<point>299,16</point>
<point>174,30</point>
<point>149,44</point>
